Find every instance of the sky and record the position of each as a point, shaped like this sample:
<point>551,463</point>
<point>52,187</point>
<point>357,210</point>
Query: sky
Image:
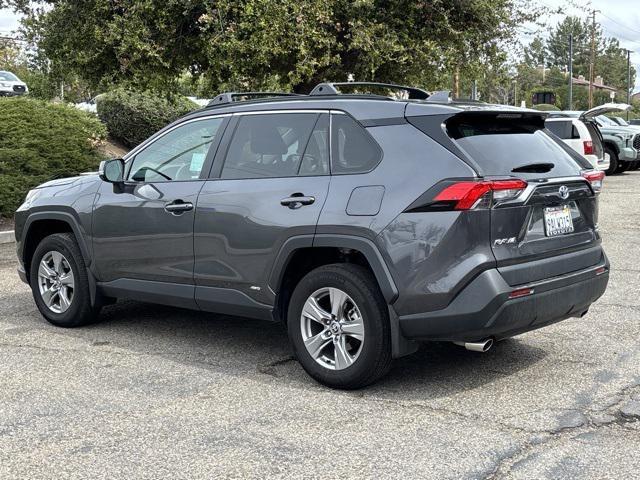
<point>618,18</point>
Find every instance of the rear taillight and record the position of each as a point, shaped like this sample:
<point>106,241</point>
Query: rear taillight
<point>595,178</point>
<point>588,147</point>
<point>468,195</point>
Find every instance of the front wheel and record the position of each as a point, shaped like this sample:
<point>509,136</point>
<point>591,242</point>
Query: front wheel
<point>59,282</point>
<point>339,327</point>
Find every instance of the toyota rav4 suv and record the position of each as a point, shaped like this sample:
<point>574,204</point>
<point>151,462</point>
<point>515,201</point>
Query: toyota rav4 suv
<point>366,224</point>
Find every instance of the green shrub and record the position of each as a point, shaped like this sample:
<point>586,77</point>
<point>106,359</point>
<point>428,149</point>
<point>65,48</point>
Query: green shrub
<point>40,141</point>
<point>132,117</point>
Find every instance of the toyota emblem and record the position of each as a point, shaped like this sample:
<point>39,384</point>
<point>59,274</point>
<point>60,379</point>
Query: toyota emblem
<point>563,191</point>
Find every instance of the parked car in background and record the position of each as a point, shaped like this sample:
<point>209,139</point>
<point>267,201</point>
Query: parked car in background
<point>605,122</point>
<point>634,121</point>
<point>620,143</point>
<point>88,106</point>
<point>11,85</point>
<point>620,121</point>
<point>582,137</point>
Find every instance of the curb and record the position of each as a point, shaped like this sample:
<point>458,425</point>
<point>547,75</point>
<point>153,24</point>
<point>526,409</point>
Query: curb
<point>7,237</point>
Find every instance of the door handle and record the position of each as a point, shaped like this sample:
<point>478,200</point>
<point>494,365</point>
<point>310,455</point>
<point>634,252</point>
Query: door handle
<point>296,200</point>
<point>178,207</point>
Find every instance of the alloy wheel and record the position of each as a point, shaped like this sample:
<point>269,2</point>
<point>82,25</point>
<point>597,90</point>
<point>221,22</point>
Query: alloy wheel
<point>56,282</point>
<point>332,328</point>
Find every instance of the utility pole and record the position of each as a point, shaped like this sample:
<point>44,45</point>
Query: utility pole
<point>570,71</point>
<point>628,80</point>
<point>593,56</point>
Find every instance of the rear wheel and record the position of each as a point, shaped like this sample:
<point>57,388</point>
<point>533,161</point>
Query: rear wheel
<point>59,282</point>
<point>635,165</point>
<point>613,160</point>
<point>339,328</point>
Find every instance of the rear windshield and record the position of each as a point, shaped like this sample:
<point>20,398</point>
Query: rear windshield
<point>500,142</point>
<point>564,129</point>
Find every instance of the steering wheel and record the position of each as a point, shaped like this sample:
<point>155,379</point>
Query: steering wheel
<point>144,169</point>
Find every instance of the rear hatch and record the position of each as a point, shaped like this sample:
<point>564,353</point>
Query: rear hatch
<point>555,213</point>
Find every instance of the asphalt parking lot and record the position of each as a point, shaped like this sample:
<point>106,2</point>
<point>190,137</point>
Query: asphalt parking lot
<point>154,392</point>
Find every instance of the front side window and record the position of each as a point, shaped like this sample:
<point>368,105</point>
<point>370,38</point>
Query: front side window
<point>353,150</point>
<point>177,155</point>
<point>270,145</point>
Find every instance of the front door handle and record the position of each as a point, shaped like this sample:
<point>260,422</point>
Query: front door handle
<point>297,200</point>
<point>178,207</point>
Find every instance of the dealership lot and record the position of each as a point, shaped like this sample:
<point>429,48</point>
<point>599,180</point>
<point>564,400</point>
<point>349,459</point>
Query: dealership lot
<point>157,392</point>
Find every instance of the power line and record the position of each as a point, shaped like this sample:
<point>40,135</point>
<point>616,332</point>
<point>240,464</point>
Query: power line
<point>620,24</point>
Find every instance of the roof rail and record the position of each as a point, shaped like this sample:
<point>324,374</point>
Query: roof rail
<point>229,97</point>
<point>332,88</point>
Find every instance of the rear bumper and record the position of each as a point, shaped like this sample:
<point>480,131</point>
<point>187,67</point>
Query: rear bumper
<point>483,309</point>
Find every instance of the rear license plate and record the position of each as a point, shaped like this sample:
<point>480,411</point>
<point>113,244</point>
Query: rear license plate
<point>557,220</point>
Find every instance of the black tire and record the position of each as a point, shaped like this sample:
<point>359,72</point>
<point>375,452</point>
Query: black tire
<point>635,165</point>
<point>613,160</point>
<point>622,167</point>
<point>374,358</point>
<point>80,311</point>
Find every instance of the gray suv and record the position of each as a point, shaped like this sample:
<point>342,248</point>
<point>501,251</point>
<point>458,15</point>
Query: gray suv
<point>366,224</point>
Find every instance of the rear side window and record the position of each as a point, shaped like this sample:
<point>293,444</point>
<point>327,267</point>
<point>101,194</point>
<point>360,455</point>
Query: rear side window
<point>352,150</point>
<point>500,142</point>
<point>564,129</point>
<point>270,145</point>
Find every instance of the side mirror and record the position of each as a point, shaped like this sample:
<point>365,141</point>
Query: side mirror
<point>112,171</point>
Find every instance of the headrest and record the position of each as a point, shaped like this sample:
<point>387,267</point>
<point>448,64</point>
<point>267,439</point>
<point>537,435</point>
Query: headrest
<point>266,140</point>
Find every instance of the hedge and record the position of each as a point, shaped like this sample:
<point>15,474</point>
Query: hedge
<point>41,141</point>
<point>132,117</point>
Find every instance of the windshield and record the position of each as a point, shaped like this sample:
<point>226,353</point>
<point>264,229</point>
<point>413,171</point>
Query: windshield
<point>621,121</point>
<point>606,121</point>
<point>8,77</point>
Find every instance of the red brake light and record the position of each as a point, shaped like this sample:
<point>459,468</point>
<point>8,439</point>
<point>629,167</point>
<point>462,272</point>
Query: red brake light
<point>595,178</point>
<point>468,194</point>
<point>588,147</point>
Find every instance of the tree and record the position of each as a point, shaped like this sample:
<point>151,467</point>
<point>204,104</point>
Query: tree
<point>558,45</point>
<point>535,53</point>
<point>286,44</point>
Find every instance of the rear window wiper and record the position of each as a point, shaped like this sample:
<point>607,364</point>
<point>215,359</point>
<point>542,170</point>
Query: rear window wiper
<point>534,168</point>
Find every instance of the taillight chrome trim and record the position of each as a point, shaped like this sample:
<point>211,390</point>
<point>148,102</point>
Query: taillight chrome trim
<point>533,184</point>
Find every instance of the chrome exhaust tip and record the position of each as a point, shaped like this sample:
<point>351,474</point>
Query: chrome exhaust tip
<point>481,346</point>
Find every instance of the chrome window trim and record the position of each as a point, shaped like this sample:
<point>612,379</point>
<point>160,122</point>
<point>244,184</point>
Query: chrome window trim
<point>151,140</point>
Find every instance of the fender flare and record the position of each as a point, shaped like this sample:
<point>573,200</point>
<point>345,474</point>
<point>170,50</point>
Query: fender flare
<point>70,220</point>
<point>400,346</point>
<point>363,245</point>
<point>64,217</point>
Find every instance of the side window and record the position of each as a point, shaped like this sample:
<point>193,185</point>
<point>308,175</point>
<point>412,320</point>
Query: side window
<point>268,145</point>
<point>315,160</point>
<point>177,155</point>
<point>352,150</point>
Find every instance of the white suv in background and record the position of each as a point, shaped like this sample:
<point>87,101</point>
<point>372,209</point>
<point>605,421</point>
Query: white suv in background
<point>10,85</point>
<point>582,137</point>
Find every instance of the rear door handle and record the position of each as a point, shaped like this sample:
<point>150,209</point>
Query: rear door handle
<point>178,207</point>
<point>297,200</point>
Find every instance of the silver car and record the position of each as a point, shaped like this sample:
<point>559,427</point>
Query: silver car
<point>11,85</point>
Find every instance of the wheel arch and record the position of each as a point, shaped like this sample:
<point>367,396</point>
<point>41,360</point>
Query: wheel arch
<point>42,224</point>
<point>300,255</point>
